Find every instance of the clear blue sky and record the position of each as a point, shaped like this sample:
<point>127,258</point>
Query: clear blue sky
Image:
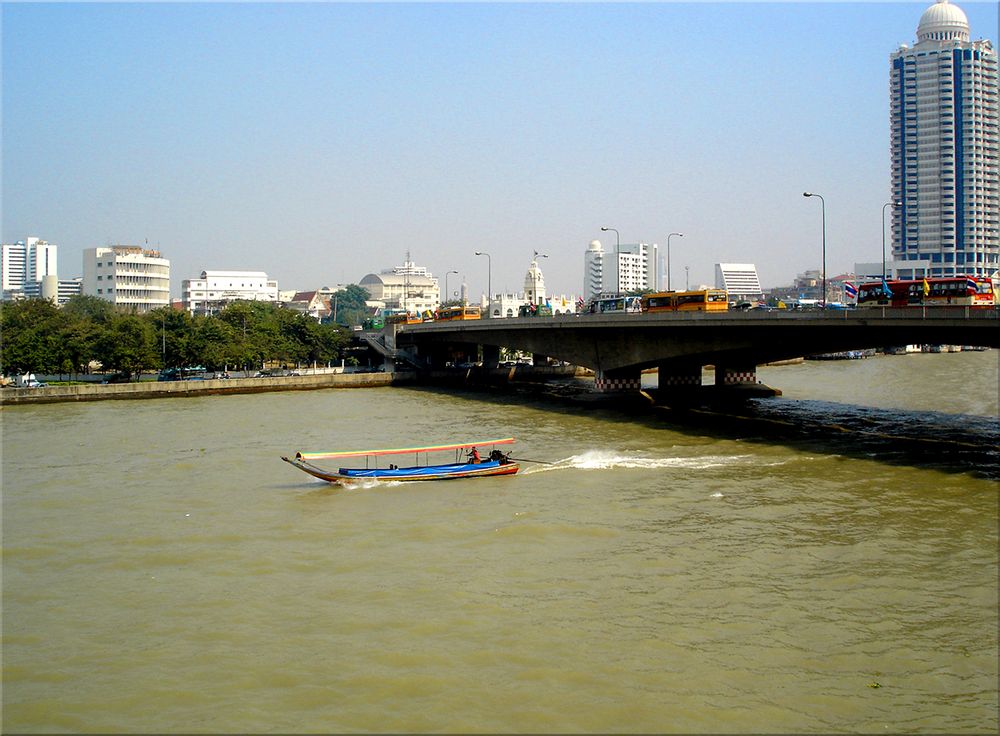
<point>321,141</point>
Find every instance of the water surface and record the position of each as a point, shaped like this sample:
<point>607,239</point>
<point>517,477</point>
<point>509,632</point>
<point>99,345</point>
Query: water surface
<point>164,571</point>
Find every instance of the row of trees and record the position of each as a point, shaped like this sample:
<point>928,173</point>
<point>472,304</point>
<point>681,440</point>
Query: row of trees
<point>39,337</point>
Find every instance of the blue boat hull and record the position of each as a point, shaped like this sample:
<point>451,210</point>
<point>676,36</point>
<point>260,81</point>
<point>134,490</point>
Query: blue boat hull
<point>420,472</point>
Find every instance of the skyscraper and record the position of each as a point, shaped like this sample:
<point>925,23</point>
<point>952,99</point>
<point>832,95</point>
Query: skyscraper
<point>633,267</point>
<point>24,264</point>
<point>944,130</point>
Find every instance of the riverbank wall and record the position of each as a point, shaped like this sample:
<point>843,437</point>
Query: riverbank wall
<point>168,389</point>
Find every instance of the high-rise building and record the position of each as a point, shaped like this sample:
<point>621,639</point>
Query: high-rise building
<point>128,276</point>
<point>24,264</point>
<point>593,270</point>
<point>633,267</point>
<point>945,148</point>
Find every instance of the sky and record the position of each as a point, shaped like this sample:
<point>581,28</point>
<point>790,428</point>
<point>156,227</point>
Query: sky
<point>320,142</point>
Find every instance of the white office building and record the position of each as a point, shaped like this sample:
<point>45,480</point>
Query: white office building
<point>213,290</point>
<point>128,276</point>
<point>24,264</point>
<point>739,279</point>
<point>629,268</point>
<point>407,288</point>
<point>945,149</point>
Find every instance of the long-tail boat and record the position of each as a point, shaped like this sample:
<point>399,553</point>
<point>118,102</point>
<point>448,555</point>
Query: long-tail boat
<point>466,465</point>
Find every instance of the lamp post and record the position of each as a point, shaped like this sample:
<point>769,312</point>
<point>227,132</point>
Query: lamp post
<point>680,235</point>
<point>489,279</point>
<point>618,265</point>
<point>687,280</point>
<point>823,204</point>
<point>896,203</point>
<point>446,295</point>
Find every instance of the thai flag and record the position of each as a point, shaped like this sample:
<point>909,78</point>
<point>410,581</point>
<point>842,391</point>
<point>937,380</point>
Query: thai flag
<point>850,290</point>
<point>971,284</point>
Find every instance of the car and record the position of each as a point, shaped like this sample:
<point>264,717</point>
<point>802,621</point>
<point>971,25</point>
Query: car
<point>120,377</point>
<point>263,374</point>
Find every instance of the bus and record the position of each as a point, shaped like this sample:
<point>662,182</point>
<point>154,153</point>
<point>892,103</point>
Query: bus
<point>534,310</point>
<point>403,318</point>
<point>960,291</point>
<point>446,314</point>
<point>701,300</point>
<point>603,304</point>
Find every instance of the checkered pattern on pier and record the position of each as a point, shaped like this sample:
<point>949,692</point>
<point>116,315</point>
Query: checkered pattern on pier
<point>616,383</point>
<point>731,376</point>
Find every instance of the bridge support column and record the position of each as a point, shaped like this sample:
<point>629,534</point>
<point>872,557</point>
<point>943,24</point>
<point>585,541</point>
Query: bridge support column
<point>672,375</point>
<point>618,381</point>
<point>491,356</point>
<point>728,375</point>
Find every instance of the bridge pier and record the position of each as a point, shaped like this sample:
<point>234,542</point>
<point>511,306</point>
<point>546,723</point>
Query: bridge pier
<point>491,356</point>
<point>732,375</point>
<point>674,375</point>
<point>618,381</point>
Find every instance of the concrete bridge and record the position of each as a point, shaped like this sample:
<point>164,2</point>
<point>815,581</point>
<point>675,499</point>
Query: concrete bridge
<point>619,346</point>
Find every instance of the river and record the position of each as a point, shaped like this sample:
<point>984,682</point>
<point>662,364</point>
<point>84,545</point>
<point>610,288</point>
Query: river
<point>825,561</point>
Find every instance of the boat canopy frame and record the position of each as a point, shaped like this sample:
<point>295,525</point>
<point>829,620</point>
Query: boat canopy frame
<point>368,454</point>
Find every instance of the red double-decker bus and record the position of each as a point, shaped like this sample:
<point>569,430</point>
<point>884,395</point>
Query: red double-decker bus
<point>959,291</point>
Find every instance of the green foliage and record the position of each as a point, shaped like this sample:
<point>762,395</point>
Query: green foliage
<point>349,304</point>
<point>89,308</point>
<point>128,345</point>
<point>37,336</point>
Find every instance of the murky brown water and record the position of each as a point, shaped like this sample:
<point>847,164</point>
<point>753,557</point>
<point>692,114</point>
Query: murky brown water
<point>164,571</point>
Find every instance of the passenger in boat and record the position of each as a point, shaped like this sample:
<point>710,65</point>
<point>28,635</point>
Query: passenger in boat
<point>474,457</point>
<point>499,457</point>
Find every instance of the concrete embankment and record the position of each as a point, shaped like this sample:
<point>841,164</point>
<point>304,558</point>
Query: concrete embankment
<point>167,389</point>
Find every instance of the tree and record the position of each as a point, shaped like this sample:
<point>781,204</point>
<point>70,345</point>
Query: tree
<point>214,344</point>
<point>175,331</point>
<point>128,345</point>
<point>350,305</point>
<point>29,329</point>
<point>89,308</point>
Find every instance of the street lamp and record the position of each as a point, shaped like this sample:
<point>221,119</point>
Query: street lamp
<point>823,204</point>
<point>896,203</point>
<point>489,279</point>
<point>534,276</point>
<point>680,235</point>
<point>618,265</point>
<point>687,280</point>
<point>446,296</point>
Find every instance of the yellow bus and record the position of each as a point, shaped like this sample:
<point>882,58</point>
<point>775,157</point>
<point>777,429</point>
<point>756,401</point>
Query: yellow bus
<point>457,313</point>
<point>701,300</point>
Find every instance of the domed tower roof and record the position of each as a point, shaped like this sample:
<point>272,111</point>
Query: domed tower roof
<point>595,245</point>
<point>943,21</point>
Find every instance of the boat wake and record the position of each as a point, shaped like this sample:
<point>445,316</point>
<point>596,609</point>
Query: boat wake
<point>607,460</point>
